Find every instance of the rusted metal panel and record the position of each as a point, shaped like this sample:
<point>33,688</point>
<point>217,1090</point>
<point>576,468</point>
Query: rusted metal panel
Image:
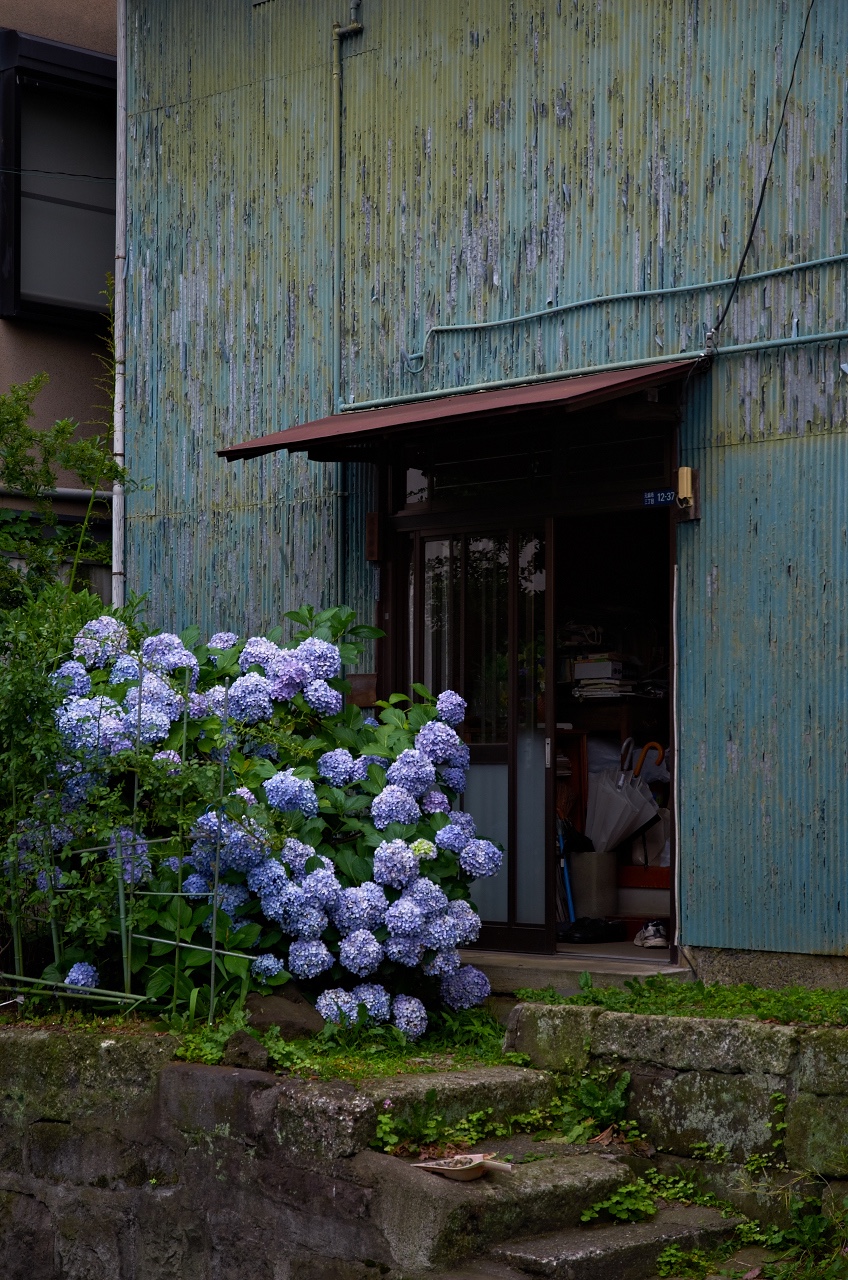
<point>500,160</point>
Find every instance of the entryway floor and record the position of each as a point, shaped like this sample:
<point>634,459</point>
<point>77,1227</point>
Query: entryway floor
<point>610,965</point>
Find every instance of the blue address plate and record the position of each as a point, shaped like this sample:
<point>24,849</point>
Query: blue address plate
<point>660,497</point>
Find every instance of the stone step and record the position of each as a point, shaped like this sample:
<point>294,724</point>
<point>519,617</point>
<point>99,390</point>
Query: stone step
<point>431,1221</point>
<point>505,1091</point>
<point>627,1252</point>
<point>507,971</point>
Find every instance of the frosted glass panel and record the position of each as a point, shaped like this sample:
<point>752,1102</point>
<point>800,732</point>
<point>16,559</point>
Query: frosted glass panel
<point>487,798</point>
<point>530,828</point>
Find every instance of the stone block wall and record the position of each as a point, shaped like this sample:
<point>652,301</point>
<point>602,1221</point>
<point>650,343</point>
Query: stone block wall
<point>709,1080</point>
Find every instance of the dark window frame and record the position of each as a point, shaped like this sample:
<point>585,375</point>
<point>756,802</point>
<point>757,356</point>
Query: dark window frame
<point>37,62</point>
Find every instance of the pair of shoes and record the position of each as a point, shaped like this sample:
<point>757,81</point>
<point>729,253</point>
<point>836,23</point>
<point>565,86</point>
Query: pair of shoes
<point>652,934</point>
<point>586,930</point>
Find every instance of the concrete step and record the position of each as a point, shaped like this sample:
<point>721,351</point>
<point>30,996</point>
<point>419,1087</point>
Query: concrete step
<point>627,1252</point>
<point>430,1221</point>
<point>508,970</point>
<point>506,1091</point>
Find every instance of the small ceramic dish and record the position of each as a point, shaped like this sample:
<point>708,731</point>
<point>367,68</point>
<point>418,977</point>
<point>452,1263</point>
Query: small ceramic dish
<point>464,1168</point>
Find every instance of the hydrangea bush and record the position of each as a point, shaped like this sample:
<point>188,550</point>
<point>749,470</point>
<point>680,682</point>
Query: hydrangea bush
<point>335,840</point>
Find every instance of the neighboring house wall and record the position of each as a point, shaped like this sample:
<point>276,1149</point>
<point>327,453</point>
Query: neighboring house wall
<point>562,153</point>
<point>67,355</point>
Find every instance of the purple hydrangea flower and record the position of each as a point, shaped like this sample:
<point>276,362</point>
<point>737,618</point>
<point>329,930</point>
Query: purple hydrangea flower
<point>283,903</point>
<point>166,652</point>
<point>288,793</point>
<point>466,988</point>
<point>321,659</point>
<point>413,772</point>
<point>455,779</point>
<point>243,842</point>
<point>82,975</point>
<point>196,886</point>
<point>267,877</point>
<point>259,652</point>
<point>375,998</point>
<point>101,640</point>
<point>72,677</point>
<point>230,898</point>
<point>87,724</point>
<point>461,757</point>
<point>250,700</point>
<point>450,707</point>
<point>321,887</point>
<point>337,1005</point>
<point>156,693</point>
<point>171,758</point>
<point>440,931</point>
<point>198,706</point>
<point>309,923</point>
<point>267,966</point>
<point>406,951</point>
<point>286,676</point>
<point>323,699</point>
<point>360,952</point>
<point>437,741</point>
<point>393,804</point>
<point>427,895</point>
<point>126,668</point>
<point>395,864</point>
<point>442,964</point>
<point>54,880</point>
<point>308,959</point>
<point>481,858</point>
<point>434,802</point>
<point>453,838</point>
<point>410,1016</point>
<point>404,918</point>
<point>133,850</point>
<point>362,907</point>
<point>362,765</point>
<point>222,640</point>
<point>336,766</point>
<point>147,725</point>
<point>371,722</point>
<point>245,794</point>
<point>466,919</point>
<point>296,854</point>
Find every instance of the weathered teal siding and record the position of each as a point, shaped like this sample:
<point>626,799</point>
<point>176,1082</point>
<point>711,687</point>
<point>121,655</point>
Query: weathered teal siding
<point>500,159</point>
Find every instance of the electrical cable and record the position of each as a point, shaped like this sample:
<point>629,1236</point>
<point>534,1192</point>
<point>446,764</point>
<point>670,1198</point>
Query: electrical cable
<point>720,321</point>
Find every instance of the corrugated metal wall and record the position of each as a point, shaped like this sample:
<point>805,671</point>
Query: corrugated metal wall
<point>500,159</point>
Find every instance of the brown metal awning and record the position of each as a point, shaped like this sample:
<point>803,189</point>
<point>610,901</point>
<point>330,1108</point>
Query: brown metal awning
<point>345,431</point>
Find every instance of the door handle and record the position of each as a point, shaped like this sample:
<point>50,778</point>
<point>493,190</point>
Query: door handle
<point>547,753</point>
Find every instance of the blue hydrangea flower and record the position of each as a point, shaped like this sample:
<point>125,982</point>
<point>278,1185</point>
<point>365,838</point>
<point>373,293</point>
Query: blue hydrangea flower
<point>259,652</point>
<point>267,966</point>
<point>171,758</point>
<point>395,864</point>
<point>321,659</point>
<point>230,898</point>
<point>101,640</point>
<point>243,843</point>
<point>126,668</point>
<point>146,725</point>
<point>413,772</point>
<point>222,640</point>
<point>450,707</point>
<point>461,757</point>
<point>362,765</point>
<point>308,959</point>
<point>286,676</point>
<point>362,907</point>
<point>360,952</point>
<point>455,779</point>
<point>393,804</point>
<point>371,722</point>
<point>404,918</point>
<point>87,724</point>
<point>427,895</point>
<point>336,766</point>
<point>406,951</point>
<point>376,1000</point>
<point>466,988</point>
<point>309,922</point>
<point>157,693</point>
<point>440,931</point>
<point>72,677</point>
<point>250,700</point>
<point>244,793</point>
<point>82,975</point>
<point>410,1016</point>
<point>296,854</point>
<point>198,706</point>
<point>268,877</point>
<point>283,903</point>
<point>196,886</point>
<point>442,964</point>
<point>33,835</point>
<point>288,793</point>
<point>133,850</point>
<point>55,880</point>
<point>466,919</point>
<point>338,1005</point>
<point>434,802</point>
<point>321,888</point>
<point>453,838</point>
<point>166,652</point>
<point>437,741</point>
<point>323,699</point>
<point>481,858</point>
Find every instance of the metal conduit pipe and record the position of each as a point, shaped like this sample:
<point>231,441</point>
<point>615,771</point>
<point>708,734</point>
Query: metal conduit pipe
<point>564,307</point>
<point>119,319</point>
<point>340,33</point>
<point>529,379</point>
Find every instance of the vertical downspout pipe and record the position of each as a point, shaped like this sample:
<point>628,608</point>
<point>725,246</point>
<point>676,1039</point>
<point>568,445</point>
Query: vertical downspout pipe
<point>120,312</point>
<point>340,33</point>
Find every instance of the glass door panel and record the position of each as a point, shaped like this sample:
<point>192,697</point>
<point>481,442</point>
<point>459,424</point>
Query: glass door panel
<point>529,841</point>
<point>487,798</point>
<point>485,665</point>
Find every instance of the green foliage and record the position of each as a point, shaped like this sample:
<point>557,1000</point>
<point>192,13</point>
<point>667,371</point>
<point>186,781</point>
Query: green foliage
<point>687,1264</point>
<point>207,1043</point>
<point>661,995</point>
<point>633,1202</point>
<point>717,1154</point>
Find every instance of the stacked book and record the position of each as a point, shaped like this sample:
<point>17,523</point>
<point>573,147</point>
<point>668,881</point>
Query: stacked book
<point>600,675</point>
